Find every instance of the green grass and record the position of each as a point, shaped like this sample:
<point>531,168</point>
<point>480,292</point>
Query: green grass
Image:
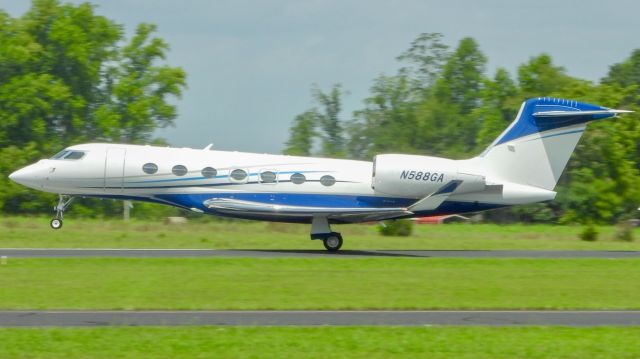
<point>322,342</point>
<point>327,283</point>
<point>21,232</point>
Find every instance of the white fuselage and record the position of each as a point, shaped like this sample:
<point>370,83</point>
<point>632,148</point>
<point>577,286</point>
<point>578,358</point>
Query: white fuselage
<point>187,178</point>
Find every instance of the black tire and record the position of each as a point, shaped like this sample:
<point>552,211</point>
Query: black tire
<point>333,242</point>
<point>56,223</point>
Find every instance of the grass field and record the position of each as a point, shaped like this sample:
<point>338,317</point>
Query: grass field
<point>24,232</point>
<point>316,283</point>
<point>322,342</point>
<point>326,283</point>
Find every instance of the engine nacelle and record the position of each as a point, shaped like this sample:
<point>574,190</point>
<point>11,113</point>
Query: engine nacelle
<point>419,176</point>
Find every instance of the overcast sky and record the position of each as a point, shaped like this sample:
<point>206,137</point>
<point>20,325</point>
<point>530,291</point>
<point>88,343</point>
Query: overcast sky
<point>250,63</point>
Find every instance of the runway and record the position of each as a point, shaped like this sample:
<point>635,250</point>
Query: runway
<point>316,318</point>
<point>267,253</point>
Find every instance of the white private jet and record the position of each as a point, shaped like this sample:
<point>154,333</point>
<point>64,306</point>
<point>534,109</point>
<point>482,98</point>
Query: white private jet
<point>521,166</point>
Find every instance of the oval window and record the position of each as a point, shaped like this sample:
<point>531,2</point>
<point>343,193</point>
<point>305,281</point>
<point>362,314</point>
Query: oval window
<point>268,177</point>
<point>179,170</point>
<point>327,180</point>
<point>150,168</point>
<point>238,175</point>
<point>209,172</point>
<point>298,178</point>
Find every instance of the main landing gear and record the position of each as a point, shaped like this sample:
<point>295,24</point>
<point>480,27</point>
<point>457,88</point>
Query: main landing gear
<point>320,229</point>
<point>63,203</point>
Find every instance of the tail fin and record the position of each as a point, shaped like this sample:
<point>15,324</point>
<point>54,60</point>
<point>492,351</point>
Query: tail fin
<point>535,148</point>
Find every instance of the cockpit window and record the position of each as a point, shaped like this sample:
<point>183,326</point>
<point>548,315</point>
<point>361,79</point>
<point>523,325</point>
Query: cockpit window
<point>59,155</point>
<point>74,155</point>
<point>68,155</point>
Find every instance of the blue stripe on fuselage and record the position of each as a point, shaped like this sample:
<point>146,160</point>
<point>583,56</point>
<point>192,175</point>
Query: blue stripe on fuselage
<point>188,201</point>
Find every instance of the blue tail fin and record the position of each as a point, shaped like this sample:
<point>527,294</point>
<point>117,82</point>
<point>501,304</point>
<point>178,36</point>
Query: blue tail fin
<point>536,147</point>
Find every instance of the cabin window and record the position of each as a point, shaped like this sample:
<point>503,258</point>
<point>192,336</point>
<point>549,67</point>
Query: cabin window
<point>238,175</point>
<point>268,177</point>
<point>298,178</point>
<point>150,168</point>
<point>179,170</point>
<point>327,180</point>
<point>209,172</point>
<point>74,155</point>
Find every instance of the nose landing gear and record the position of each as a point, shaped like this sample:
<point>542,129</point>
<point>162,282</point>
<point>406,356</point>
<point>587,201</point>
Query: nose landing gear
<point>63,203</point>
<point>56,223</point>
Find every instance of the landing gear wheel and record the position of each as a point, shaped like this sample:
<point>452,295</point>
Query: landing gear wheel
<point>56,223</point>
<point>333,242</point>
<point>63,203</point>
<point>320,229</point>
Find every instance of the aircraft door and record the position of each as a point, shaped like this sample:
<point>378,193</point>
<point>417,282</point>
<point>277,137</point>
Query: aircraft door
<point>114,169</point>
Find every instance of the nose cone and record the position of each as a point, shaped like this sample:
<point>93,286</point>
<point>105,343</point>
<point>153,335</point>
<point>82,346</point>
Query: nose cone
<point>18,175</point>
<point>30,176</point>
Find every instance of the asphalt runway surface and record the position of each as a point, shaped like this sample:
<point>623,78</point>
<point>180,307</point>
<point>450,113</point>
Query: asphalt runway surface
<point>178,253</point>
<point>316,318</point>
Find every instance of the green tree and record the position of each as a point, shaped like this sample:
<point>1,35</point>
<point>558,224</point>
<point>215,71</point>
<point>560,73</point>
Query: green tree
<point>74,46</point>
<point>500,101</point>
<point>463,76</point>
<point>425,58</point>
<point>322,121</point>
<point>626,73</point>
<point>540,77</point>
<point>135,100</point>
<point>302,134</point>
<point>388,121</point>
<point>328,115</point>
<point>67,75</point>
<point>447,125</point>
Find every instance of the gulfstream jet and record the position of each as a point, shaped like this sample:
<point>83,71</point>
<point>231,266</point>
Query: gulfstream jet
<point>521,166</point>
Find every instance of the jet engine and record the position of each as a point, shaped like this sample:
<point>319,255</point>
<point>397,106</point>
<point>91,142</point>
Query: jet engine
<point>412,176</point>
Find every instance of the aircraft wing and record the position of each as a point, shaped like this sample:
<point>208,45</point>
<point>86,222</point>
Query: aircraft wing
<point>348,214</point>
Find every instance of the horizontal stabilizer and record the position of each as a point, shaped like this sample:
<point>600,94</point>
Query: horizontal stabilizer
<point>608,112</point>
<point>355,214</point>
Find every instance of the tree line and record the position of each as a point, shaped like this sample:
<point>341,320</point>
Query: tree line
<point>69,75</point>
<point>442,102</point>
